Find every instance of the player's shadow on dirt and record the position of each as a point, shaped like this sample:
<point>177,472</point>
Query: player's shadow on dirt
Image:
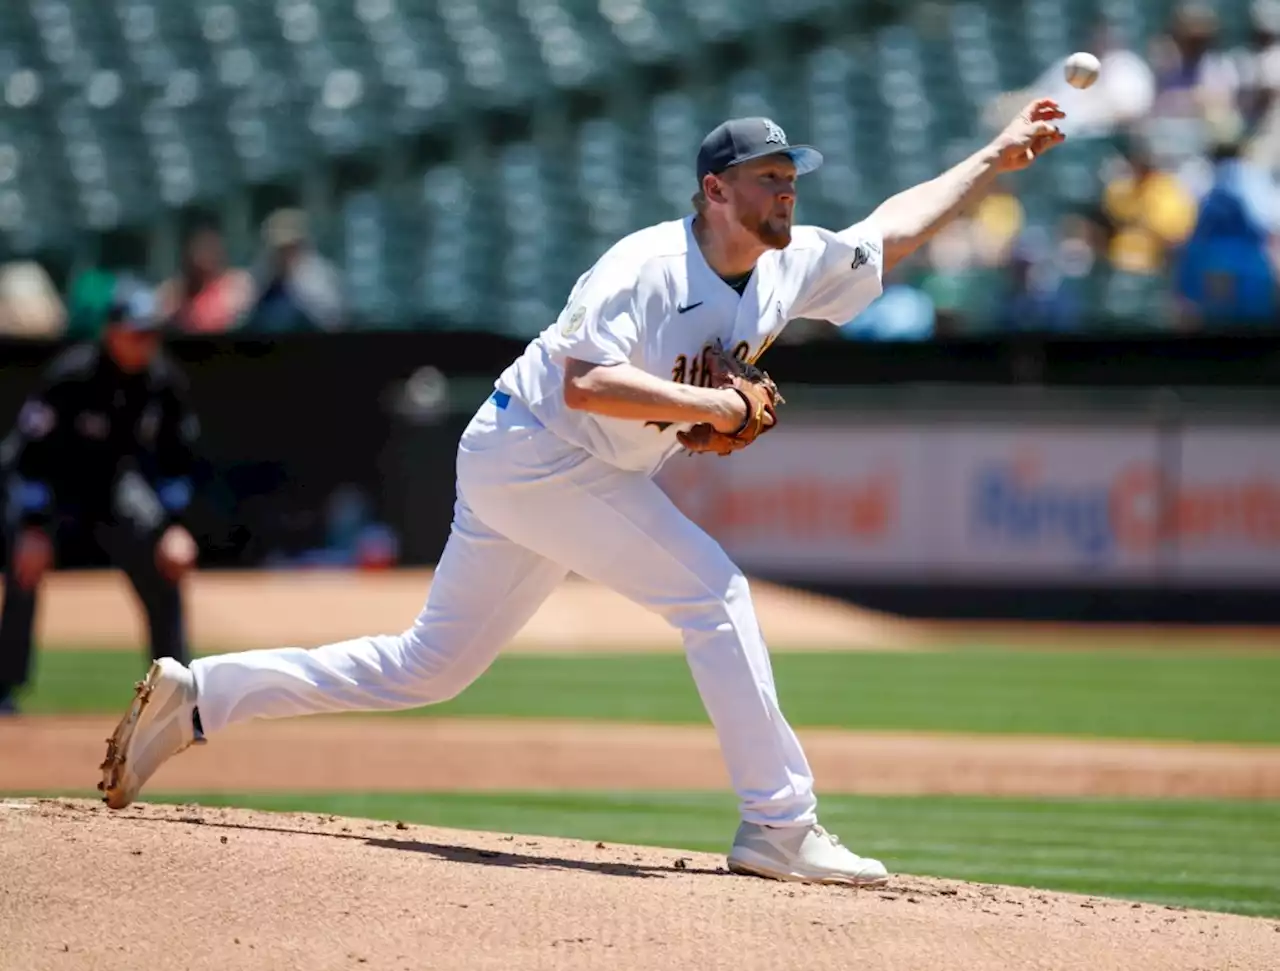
<point>466,854</point>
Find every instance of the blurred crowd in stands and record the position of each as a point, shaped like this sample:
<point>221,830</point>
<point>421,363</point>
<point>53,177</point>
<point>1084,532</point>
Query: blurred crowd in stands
<point>1182,234</point>
<point>291,288</point>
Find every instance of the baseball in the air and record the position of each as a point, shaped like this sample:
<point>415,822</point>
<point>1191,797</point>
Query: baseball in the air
<point>1081,69</point>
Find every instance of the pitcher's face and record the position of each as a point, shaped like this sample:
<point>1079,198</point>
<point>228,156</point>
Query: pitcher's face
<point>762,198</point>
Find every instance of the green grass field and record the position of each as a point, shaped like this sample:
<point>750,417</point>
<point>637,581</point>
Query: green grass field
<point>1211,855</point>
<point>1107,694</point>
<point>1207,855</point>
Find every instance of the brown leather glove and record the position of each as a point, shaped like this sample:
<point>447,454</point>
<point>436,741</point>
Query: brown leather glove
<point>758,391</point>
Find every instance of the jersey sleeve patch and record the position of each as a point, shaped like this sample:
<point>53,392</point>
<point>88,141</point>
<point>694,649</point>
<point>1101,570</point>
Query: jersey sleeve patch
<point>598,326</point>
<point>843,274</point>
<point>574,323</point>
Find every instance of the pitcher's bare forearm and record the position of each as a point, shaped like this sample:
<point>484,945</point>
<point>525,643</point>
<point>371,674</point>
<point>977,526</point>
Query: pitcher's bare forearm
<point>911,218</point>
<point>623,391</point>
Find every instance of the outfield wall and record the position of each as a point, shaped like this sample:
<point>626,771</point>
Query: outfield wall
<point>845,499</point>
<point>1072,519</point>
<point>941,481</point>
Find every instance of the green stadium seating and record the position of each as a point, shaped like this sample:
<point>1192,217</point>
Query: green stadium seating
<point>521,138</point>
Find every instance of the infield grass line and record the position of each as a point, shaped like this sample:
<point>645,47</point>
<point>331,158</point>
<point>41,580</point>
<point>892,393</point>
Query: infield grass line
<point>1135,695</point>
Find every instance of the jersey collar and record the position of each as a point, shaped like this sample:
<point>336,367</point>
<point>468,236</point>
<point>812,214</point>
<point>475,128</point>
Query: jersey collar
<point>706,275</point>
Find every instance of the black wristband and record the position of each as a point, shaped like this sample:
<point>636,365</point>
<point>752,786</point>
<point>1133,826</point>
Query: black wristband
<point>746,418</point>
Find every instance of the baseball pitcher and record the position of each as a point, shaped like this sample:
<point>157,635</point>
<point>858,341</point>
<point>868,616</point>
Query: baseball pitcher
<point>655,352</point>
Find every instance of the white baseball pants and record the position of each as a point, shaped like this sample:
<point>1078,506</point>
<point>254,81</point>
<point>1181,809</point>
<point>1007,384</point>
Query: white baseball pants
<point>530,509</point>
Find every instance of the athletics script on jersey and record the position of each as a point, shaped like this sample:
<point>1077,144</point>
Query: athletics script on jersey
<point>695,369</point>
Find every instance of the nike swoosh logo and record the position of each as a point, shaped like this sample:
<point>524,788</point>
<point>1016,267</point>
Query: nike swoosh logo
<point>683,310</point>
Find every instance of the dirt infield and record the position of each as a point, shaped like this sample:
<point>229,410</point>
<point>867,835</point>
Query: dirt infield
<point>186,887</point>
<point>230,610</point>
<point>367,755</point>
<point>169,888</point>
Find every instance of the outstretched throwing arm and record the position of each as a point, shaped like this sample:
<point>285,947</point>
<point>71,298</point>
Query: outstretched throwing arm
<point>912,217</point>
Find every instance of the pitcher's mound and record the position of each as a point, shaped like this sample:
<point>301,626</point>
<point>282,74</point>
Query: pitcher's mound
<point>185,887</point>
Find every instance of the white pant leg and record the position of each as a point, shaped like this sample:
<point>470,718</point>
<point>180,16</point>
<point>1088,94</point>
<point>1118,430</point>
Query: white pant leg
<point>620,529</point>
<point>485,589</point>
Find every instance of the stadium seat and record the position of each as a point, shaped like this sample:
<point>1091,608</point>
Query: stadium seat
<point>601,181</point>
<point>30,216</point>
<point>911,139</point>
<point>841,189</point>
<point>379,256</point>
<point>119,112</point>
<point>567,41</point>
<point>457,271</point>
<point>497,54</point>
<point>1134,300</point>
<point>1130,18</point>
<point>37,205</point>
<point>538,262</point>
<point>265,103</point>
<point>719,20</point>
<point>414,61</point>
<point>677,125</point>
<point>978,72</point>
<point>647,31</point>
<point>349,100</point>
<point>168,73</point>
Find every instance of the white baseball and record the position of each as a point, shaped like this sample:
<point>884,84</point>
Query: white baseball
<point>1081,69</point>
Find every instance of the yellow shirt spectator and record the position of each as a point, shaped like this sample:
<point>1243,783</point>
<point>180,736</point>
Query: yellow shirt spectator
<point>1152,212</point>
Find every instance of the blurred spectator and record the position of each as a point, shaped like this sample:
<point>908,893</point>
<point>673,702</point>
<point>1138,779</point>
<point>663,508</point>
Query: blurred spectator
<point>1151,212</point>
<point>1228,266</point>
<point>1193,77</point>
<point>92,290</point>
<point>1171,73</point>
<point>950,276</point>
<point>1256,66</point>
<point>89,297</point>
<point>1082,242</point>
<point>205,296</point>
<point>1258,72</point>
<point>29,302</point>
<point>998,221</point>
<point>1034,296</point>
<point>961,275</point>
<point>296,288</point>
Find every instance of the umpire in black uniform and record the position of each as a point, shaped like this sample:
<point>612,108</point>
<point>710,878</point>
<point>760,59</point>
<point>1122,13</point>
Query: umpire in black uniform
<point>102,449</point>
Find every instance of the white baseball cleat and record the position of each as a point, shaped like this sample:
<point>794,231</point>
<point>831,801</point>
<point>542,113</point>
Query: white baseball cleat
<point>803,854</point>
<point>157,726</point>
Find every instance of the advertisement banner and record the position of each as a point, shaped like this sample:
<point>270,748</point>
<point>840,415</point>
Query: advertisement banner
<point>1225,517</point>
<point>815,501</point>
<point>994,504</point>
<point>1048,503</point>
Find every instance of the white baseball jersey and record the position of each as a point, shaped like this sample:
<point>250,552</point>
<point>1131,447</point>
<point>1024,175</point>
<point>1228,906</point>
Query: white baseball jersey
<point>652,301</point>
<point>533,507</point>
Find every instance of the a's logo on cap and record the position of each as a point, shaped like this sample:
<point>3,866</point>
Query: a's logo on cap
<point>773,134</point>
